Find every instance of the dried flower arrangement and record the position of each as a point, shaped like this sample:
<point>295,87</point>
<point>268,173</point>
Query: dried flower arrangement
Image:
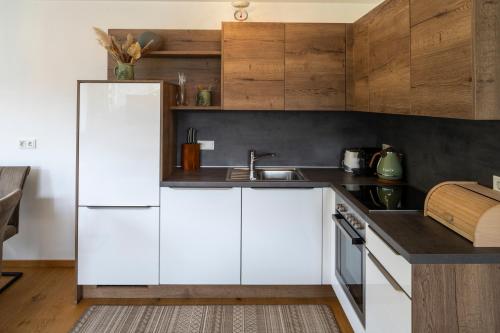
<point>128,52</point>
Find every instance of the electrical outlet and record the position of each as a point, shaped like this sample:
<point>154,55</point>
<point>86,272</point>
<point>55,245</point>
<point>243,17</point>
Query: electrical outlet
<point>206,145</point>
<point>26,144</point>
<point>496,183</point>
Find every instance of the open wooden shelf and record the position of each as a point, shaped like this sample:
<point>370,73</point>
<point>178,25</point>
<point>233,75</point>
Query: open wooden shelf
<point>184,54</point>
<point>196,108</point>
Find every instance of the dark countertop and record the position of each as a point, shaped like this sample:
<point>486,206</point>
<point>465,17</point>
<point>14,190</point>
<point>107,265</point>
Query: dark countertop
<point>419,239</point>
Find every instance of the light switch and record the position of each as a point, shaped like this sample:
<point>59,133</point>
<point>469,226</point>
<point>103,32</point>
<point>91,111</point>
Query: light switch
<point>496,183</point>
<point>206,145</point>
<point>26,144</point>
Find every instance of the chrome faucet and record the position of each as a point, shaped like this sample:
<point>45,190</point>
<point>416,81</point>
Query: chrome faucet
<point>252,158</point>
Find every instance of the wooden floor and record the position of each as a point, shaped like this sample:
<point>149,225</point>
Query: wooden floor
<point>43,301</point>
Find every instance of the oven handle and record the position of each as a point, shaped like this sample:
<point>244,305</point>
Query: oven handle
<point>347,230</point>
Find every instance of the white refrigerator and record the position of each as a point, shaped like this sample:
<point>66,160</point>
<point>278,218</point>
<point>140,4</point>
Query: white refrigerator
<point>119,133</point>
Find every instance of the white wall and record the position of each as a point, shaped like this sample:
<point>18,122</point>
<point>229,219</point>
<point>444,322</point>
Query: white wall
<point>46,47</point>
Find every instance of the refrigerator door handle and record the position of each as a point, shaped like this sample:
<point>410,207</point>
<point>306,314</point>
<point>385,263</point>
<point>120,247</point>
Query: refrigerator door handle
<point>117,207</point>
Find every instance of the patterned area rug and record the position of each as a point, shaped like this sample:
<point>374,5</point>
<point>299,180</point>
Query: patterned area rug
<point>207,319</point>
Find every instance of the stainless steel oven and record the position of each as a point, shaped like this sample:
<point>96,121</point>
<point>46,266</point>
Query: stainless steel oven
<point>350,256</point>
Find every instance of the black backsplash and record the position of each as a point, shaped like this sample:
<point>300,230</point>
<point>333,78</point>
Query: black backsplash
<point>438,149</point>
<point>435,149</point>
<point>298,138</point>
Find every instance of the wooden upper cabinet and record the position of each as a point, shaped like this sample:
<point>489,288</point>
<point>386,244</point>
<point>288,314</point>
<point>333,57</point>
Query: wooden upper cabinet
<point>442,58</point>
<point>455,58</point>
<point>358,65</point>
<point>315,66</point>
<point>253,66</point>
<point>389,60</point>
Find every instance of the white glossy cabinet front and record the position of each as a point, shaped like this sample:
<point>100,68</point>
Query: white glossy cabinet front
<point>118,246</point>
<point>200,235</point>
<point>119,144</point>
<point>281,236</point>
<point>388,308</point>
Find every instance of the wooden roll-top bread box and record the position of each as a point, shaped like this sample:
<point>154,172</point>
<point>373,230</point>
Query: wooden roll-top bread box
<point>467,208</point>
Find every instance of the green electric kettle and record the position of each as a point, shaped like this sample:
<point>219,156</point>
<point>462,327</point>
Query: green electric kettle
<point>389,164</point>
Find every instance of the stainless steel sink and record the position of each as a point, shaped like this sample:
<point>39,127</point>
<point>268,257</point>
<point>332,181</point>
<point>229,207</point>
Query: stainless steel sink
<point>266,175</point>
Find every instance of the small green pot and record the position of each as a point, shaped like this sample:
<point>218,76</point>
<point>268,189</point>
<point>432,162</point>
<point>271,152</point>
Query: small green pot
<point>124,71</point>
<point>204,98</point>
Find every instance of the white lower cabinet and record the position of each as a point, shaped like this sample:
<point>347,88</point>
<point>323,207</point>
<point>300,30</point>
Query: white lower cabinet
<point>118,245</point>
<point>388,307</point>
<point>200,233</point>
<point>328,235</point>
<point>281,236</point>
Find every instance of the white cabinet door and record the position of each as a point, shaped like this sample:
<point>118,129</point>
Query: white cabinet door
<point>119,144</point>
<point>200,236</point>
<point>388,308</point>
<point>118,246</point>
<point>328,235</point>
<point>281,236</point>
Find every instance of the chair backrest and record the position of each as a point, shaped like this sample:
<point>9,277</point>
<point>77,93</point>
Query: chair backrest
<point>12,178</point>
<point>8,204</point>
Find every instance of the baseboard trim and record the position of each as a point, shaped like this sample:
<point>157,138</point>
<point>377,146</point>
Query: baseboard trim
<point>207,291</point>
<point>39,263</point>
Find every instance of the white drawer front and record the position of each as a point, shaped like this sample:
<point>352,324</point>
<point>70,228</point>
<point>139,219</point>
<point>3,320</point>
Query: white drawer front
<point>395,264</point>
<point>118,246</point>
<point>388,308</point>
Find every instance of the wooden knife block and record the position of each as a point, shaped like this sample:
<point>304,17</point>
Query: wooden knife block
<point>190,156</point>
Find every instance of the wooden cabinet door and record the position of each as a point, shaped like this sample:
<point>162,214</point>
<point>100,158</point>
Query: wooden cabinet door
<point>281,236</point>
<point>253,66</point>
<point>441,58</point>
<point>315,66</point>
<point>200,233</point>
<point>389,43</point>
<point>358,65</point>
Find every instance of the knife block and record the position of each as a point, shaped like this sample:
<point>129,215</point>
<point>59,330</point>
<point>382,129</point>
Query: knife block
<point>190,156</point>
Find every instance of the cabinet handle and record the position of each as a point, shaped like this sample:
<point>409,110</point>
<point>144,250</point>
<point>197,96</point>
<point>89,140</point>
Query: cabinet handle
<point>281,188</point>
<point>449,218</point>
<point>179,188</point>
<point>118,207</point>
<point>385,273</point>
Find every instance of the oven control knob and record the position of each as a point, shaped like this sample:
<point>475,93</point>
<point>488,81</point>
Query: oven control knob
<point>341,208</point>
<point>359,226</point>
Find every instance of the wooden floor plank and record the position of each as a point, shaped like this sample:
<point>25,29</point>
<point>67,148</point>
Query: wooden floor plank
<point>42,301</point>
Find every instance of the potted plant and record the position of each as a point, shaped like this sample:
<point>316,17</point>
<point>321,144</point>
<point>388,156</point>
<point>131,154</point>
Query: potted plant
<point>125,54</point>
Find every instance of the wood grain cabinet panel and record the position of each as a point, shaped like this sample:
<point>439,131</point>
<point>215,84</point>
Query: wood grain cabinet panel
<point>455,57</point>
<point>358,65</point>
<point>389,44</point>
<point>441,58</point>
<point>451,298</point>
<point>315,66</point>
<point>253,66</point>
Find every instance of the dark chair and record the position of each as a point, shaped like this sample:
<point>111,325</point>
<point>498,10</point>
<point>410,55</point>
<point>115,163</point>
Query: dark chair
<point>12,181</point>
